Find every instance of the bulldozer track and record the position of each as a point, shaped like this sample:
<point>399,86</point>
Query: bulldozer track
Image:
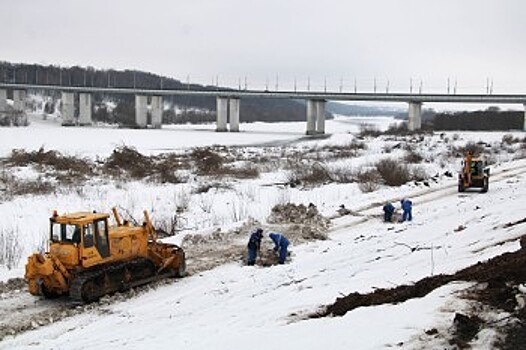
<point>89,286</point>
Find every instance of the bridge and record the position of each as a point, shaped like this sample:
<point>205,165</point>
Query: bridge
<point>228,101</point>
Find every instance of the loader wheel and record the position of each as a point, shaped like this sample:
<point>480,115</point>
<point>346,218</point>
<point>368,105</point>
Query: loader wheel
<point>461,186</point>
<point>48,294</point>
<point>181,270</point>
<point>486,186</point>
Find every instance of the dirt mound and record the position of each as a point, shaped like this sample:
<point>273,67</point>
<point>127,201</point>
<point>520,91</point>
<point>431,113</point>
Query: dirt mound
<point>499,278</point>
<point>12,284</point>
<point>299,222</point>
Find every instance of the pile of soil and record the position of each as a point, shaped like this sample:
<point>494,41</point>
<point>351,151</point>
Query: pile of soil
<point>499,278</point>
<point>299,223</point>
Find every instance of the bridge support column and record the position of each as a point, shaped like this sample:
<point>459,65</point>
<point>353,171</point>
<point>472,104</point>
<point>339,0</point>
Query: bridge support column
<point>320,117</point>
<point>414,121</point>
<point>222,113</point>
<point>312,111</point>
<point>234,114</point>
<point>3,102</point>
<point>85,109</point>
<point>157,111</point>
<point>141,109</point>
<point>68,108</point>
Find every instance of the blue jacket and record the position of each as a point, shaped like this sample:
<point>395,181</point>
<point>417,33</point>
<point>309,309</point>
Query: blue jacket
<point>389,208</point>
<point>279,240</point>
<point>406,204</point>
<point>254,241</point>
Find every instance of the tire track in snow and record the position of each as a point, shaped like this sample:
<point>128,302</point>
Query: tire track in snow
<point>422,197</point>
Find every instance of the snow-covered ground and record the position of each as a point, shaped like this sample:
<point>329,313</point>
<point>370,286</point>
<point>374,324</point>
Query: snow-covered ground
<point>237,307</point>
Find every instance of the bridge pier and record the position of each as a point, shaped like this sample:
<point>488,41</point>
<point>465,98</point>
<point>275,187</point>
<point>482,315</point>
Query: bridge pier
<point>85,109</point>
<point>3,102</point>
<point>19,105</point>
<point>141,109</point>
<point>234,114</point>
<point>222,113</point>
<point>315,117</point>
<point>157,111</point>
<point>414,121</point>
<point>311,117</point>
<point>68,108</point>
<point>320,117</point>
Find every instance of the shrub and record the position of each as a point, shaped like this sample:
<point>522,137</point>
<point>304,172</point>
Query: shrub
<point>508,139</point>
<point>474,148</point>
<point>367,130</point>
<point>343,174</point>
<point>399,129</point>
<point>128,160</point>
<point>206,160</point>
<point>392,172</point>
<point>368,180</point>
<point>10,248</point>
<point>349,150</point>
<point>314,174</point>
<point>247,171</point>
<point>413,157</point>
<point>74,166</point>
<point>418,173</point>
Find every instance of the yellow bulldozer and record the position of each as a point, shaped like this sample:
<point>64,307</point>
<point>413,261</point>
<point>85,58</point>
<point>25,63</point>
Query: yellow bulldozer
<point>474,174</point>
<point>88,258</point>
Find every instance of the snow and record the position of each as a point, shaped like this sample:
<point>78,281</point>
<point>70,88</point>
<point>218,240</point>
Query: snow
<point>238,307</point>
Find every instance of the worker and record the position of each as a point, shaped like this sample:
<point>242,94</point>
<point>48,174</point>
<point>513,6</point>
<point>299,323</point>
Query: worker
<point>388,212</point>
<point>76,235</point>
<point>254,244</point>
<point>407,207</point>
<point>281,243</point>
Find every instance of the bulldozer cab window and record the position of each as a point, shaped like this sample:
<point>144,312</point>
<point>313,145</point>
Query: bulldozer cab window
<point>65,233</point>
<point>474,168</point>
<point>101,237</point>
<point>88,236</point>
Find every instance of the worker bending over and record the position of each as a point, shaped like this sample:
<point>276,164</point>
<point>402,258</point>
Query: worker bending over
<point>281,244</point>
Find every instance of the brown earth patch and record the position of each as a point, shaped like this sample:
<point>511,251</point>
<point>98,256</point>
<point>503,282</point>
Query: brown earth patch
<point>501,275</point>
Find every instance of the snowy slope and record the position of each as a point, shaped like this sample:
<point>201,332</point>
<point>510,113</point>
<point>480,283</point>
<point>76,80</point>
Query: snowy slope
<point>234,306</point>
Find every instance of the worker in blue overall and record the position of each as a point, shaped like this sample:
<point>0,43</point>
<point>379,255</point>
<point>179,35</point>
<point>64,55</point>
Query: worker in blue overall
<point>254,243</point>
<point>281,244</point>
<point>388,212</point>
<point>407,207</point>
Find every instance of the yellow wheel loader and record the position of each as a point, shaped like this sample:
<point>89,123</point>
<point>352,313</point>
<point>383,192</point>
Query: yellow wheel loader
<point>475,174</point>
<point>89,258</point>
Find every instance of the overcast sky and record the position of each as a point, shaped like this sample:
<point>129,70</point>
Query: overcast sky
<point>396,40</point>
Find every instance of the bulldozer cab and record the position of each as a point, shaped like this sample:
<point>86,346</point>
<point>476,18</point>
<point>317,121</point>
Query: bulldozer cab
<point>80,238</point>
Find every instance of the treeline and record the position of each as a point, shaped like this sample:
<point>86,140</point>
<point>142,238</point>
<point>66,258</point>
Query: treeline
<point>491,119</point>
<point>251,109</point>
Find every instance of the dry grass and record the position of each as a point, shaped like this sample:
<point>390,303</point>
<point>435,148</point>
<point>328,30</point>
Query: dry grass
<point>42,159</point>
<point>10,248</point>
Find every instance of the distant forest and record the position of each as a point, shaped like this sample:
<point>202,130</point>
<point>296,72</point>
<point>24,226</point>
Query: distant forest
<point>251,109</point>
<point>490,119</point>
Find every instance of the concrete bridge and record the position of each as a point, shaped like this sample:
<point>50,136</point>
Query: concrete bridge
<point>228,102</point>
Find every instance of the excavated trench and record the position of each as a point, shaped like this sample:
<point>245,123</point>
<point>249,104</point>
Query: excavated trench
<point>500,277</point>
